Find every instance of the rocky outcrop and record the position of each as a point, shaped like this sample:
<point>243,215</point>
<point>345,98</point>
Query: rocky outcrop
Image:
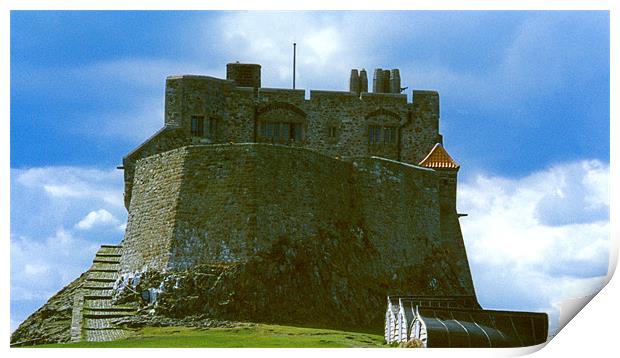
<point>330,280</point>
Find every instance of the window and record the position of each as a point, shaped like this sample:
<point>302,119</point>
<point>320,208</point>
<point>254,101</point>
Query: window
<point>331,132</point>
<point>390,135</point>
<point>281,132</point>
<point>210,125</point>
<point>381,135</point>
<point>202,127</point>
<point>197,126</point>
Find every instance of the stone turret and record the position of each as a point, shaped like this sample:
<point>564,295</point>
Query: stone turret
<point>447,169</point>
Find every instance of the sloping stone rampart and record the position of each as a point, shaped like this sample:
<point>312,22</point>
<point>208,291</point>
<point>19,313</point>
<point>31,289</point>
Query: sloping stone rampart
<point>371,226</point>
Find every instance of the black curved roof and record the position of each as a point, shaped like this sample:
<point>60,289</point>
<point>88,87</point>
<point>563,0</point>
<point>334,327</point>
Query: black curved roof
<point>456,327</point>
<point>460,321</point>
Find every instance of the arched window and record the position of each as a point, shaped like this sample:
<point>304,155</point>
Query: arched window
<point>281,123</point>
<point>280,132</point>
<point>383,127</point>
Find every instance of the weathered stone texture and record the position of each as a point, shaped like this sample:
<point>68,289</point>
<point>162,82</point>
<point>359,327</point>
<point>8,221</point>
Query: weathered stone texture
<point>167,138</point>
<point>336,123</point>
<point>367,226</point>
<point>152,211</point>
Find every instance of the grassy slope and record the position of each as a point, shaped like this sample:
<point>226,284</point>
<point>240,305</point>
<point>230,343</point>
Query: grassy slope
<point>255,336</point>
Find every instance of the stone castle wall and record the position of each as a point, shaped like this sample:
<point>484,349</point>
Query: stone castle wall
<point>323,219</point>
<point>152,211</point>
<point>335,123</point>
<point>240,111</point>
<point>215,204</point>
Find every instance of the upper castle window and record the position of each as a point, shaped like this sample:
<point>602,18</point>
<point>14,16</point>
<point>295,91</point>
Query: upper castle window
<point>281,132</point>
<point>332,132</point>
<point>382,135</point>
<point>203,127</point>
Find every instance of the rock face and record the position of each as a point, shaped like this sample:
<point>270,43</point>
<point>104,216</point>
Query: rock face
<point>50,323</point>
<point>331,281</point>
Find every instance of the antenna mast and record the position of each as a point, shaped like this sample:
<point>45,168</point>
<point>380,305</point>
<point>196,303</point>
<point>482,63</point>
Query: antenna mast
<point>294,61</point>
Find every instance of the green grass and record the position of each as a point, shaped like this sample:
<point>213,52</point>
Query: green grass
<point>245,336</point>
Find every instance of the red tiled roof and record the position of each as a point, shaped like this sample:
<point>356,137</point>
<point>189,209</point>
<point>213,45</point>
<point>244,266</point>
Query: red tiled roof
<point>438,158</point>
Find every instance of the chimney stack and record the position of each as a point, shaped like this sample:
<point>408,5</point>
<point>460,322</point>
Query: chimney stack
<point>377,81</point>
<point>244,74</point>
<point>363,81</point>
<point>395,81</point>
<point>354,82</point>
<point>386,81</point>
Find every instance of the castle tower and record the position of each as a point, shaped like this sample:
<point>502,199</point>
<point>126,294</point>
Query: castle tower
<point>450,227</point>
<point>244,74</point>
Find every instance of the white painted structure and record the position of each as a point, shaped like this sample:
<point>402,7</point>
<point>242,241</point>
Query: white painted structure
<point>403,323</point>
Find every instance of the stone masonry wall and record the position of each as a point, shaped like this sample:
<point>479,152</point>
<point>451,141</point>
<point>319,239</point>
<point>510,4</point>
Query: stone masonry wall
<point>223,204</point>
<point>152,211</point>
<point>240,111</point>
<point>167,138</point>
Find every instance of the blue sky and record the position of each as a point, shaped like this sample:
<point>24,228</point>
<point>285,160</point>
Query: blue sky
<point>524,110</point>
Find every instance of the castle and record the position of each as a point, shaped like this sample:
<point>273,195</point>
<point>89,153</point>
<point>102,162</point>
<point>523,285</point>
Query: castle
<point>307,211</point>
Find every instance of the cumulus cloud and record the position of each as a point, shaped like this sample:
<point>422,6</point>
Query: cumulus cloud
<point>329,44</point>
<point>71,183</point>
<point>535,241</point>
<point>94,218</point>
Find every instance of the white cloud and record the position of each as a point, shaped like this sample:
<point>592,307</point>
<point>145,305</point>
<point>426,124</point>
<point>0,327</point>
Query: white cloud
<point>33,270</point>
<point>329,44</point>
<point>72,183</point>
<point>41,266</point>
<point>537,240</point>
<point>99,217</point>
